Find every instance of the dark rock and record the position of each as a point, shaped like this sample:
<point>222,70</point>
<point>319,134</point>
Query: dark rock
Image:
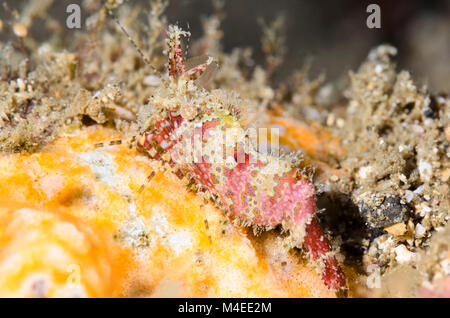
<point>374,233</point>
<point>432,111</point>
<point>390,211</point>
<point>428,112</point>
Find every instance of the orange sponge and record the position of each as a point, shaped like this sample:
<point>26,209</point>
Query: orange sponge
<point>73,223</point>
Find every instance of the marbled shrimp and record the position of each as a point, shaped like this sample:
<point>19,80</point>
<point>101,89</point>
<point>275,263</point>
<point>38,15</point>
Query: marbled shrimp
<point>248,185</point>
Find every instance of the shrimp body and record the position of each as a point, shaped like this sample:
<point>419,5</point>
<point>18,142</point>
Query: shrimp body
<point>257,189</point>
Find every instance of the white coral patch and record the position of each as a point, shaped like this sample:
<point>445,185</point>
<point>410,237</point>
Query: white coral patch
<point>180,241</point>
<point>177,240</point>
<point>103,165</point>
<point>51,184</point>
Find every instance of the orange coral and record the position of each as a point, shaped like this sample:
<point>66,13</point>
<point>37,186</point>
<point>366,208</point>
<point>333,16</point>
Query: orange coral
<point>164,241</point>
<point>317,142</point>
<point>48,254</point>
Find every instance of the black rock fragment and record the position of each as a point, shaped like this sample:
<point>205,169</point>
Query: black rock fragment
<point>390,211</point>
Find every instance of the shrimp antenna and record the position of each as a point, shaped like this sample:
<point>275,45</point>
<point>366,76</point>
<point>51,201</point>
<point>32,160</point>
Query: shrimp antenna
<point>136,46</point>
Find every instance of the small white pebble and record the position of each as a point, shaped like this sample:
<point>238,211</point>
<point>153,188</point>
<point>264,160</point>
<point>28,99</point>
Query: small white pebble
<point>364,172</point>
<point>340,122</point>
<point>420,230</point>
<point>409,195</point>
<point>44,49</point>
<point>418,129</point>
<point>419,189</point>
<point>267,93</point>
<point>379,68</point>
<point>20,84</point>
<point>425,170</point>
<point>403,255</point>
<point>330,120</point>
<point>424,210</point>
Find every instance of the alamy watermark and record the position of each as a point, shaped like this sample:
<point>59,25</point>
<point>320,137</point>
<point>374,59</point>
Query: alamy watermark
<point>74,277</point>
<point>374,19</point>
<point>229,146</point>
<point>73,20</point>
